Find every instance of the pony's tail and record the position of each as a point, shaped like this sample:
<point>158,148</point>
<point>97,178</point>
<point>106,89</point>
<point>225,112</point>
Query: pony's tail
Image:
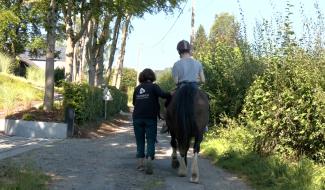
<point>185,111</point>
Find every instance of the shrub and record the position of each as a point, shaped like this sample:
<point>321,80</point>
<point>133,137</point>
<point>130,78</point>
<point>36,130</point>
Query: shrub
<point>286,107</point>
<point>88,101</point>
<point>28,117</point>
<point>58,76</point>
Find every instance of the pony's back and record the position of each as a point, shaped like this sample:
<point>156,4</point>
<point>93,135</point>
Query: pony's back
<point>187,113</point>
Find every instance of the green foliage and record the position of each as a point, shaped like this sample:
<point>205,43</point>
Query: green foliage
<point>228,76</point>
<point>28,117</point>
<point>58,76</point>
<point>37,47</point>
<point>120,100</point>
<point>286,107</point>
<point>9,21</point>
<point>129,79</point>
<point>229,66</point>
<point>165,80</point>
<point>225,30</point>
<point>85,100</point>
<point>26,176</point>
<point>231,146</point>
<point>88,101</point>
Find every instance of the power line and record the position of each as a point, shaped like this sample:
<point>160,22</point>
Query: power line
<point>171,26</point>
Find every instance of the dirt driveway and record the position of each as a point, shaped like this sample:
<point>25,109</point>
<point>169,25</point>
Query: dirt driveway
<point>109,163</point>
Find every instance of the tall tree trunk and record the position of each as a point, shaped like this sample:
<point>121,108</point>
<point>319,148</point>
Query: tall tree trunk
<point>72,36</point>
<point>122,52</point>
<point>76,62</point>
<point>100,47</point>
<point>91,60</point>
<point>113,45</point>
<point>69,59</point>
<point>100,66</point>
<point>85,60</point>
<point>49,70</point>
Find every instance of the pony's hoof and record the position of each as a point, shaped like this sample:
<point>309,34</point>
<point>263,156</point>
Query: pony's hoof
<point>194,179</point>
<point>175,164</point>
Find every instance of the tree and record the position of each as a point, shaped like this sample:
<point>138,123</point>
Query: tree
<point>225,30</point>
<point>200,43</point>
<point>70,8</point>
<point>129,79</point>
<point>17,23</point>
<point>51,24</point>
<point>122,52</point>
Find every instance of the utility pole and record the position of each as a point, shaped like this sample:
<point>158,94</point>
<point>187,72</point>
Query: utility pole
<point>139,63</point>
<point>192,23</point>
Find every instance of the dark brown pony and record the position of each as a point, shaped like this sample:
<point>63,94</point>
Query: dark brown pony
<point>186,117</point>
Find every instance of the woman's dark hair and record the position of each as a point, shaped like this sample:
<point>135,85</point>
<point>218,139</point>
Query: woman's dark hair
<point>147,75</point>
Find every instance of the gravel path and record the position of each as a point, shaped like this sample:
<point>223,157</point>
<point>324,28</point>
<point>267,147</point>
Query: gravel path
<point>109,163</point>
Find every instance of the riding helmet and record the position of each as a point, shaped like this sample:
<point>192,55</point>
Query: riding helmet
<point>183,46</point>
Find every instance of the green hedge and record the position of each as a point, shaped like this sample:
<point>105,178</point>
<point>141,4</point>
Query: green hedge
<point>120,101</point>
<point>88,101</point>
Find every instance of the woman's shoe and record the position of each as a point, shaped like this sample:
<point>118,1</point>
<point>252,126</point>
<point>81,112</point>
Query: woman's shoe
<point>148,166</point>
<point>140,164</point>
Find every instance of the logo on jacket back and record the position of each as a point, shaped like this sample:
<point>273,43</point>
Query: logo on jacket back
<point>142,94</point>
<point>142,90</point>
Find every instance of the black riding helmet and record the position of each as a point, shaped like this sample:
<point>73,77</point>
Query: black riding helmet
<point>183,47</point>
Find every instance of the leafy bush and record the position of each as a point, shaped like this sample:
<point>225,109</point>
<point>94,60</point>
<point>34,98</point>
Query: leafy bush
<point>28,117</point>
<point>59,76</point>
<point>88,101</point>
<point>165,80</point>
<point>286,107</point>
<point>119,102</point>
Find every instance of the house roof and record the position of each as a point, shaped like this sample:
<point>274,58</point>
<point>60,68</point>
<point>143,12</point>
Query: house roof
<point>27,61</point>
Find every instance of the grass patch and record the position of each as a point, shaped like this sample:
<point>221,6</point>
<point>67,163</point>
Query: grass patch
<point>5,62</point>
<point>17,91</point>
<point>152,184</point>
<point>14,177</point>
<point>230,149</point>
<point>36,75</point>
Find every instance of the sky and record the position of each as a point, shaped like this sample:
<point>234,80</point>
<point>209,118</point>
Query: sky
<point>152,41</point>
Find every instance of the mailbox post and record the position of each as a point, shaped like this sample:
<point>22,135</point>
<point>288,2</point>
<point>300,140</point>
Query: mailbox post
<point>69,119</point>
<point>107,97</point>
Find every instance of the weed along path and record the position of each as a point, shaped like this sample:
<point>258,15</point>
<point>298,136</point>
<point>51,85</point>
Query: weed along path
<point>110,163</point>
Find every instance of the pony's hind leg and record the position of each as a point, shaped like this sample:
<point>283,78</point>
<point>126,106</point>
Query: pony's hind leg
<point>182,170</point>
<point>175,163</point>
<point>195,167</point>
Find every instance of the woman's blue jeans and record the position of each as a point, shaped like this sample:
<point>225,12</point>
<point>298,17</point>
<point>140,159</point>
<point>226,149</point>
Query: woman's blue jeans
<point>145,129</point>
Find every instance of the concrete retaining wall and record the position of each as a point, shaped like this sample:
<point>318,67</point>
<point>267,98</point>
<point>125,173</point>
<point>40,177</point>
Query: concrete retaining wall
<point>33,129</point>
